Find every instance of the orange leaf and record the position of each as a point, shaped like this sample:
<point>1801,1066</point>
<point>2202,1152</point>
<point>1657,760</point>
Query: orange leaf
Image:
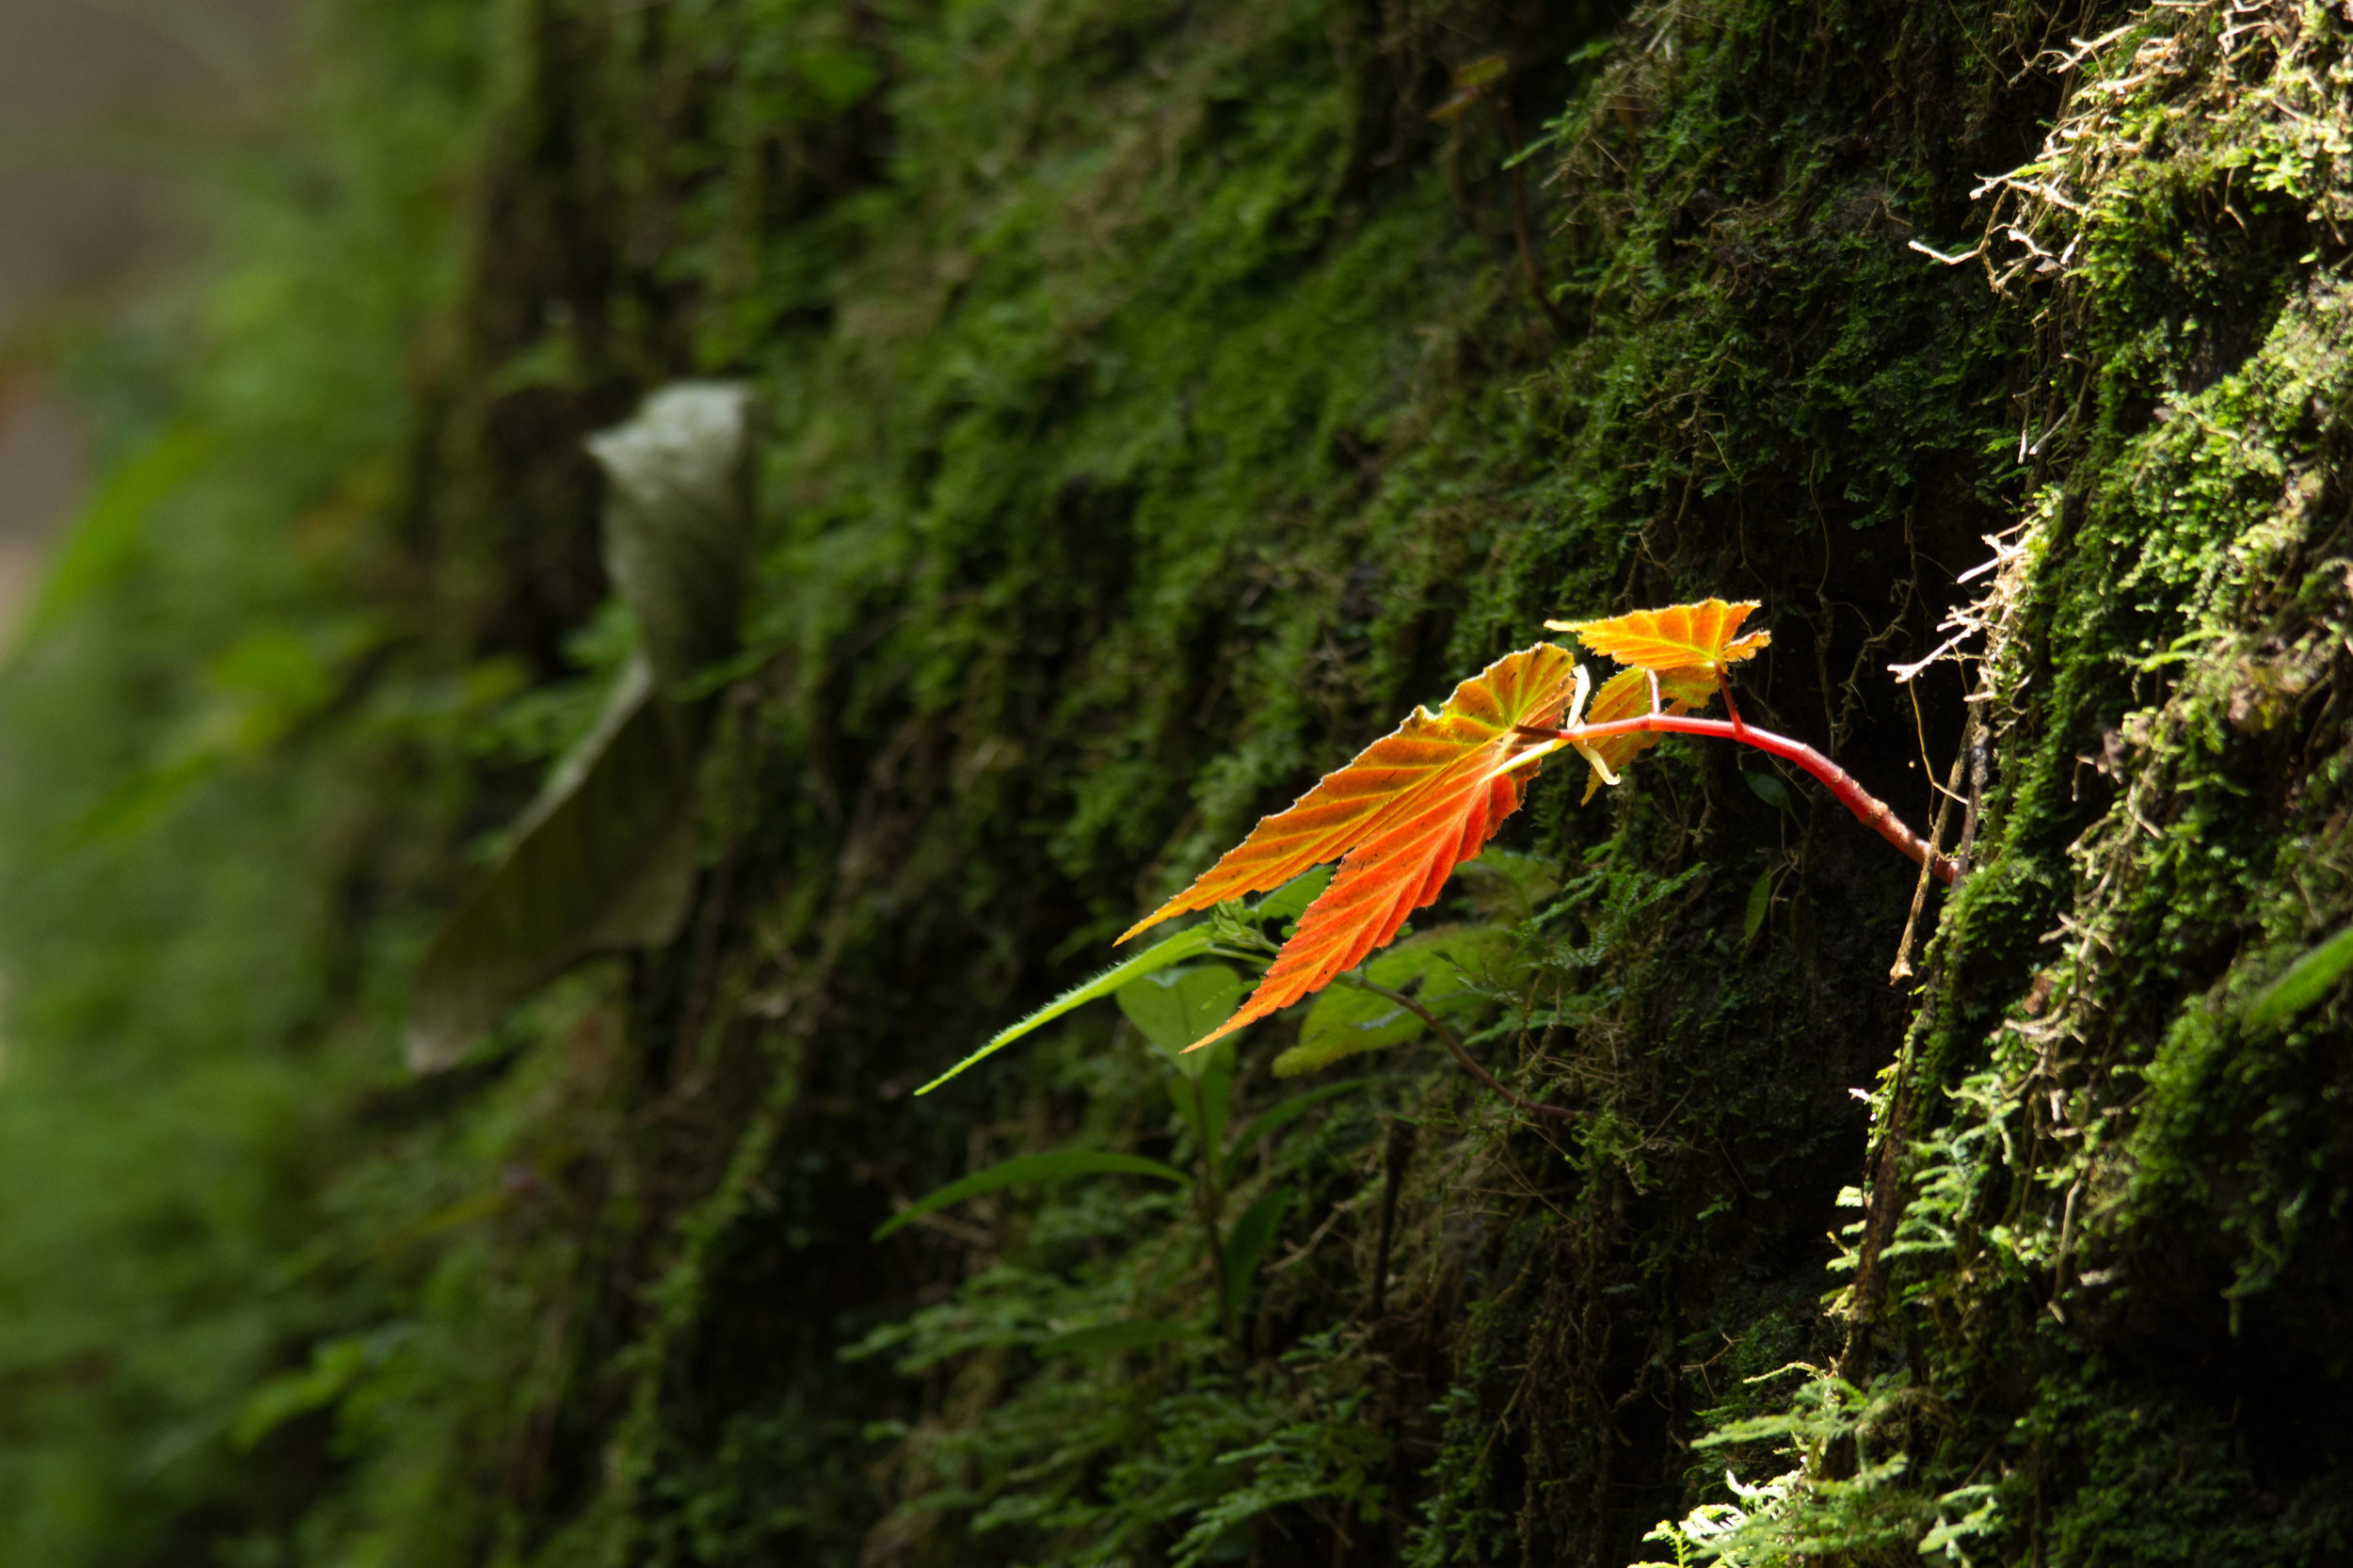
<point>1445,784</point>
<point>1625,695</point>
<point>1432,766</point>
<point>1681,636</point>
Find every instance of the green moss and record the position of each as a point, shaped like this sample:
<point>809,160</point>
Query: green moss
<point>1159,410</point>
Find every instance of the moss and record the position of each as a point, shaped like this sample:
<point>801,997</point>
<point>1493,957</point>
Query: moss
<point>1159,410</point>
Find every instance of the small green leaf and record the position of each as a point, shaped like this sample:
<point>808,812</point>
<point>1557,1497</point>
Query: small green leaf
<point>103,543</point>
<point>1291,901</point>
<point>1506,887</point>
<point>1246,1244</point>
<point>1760,905</point>
<point>1445,959</point>
<point>1345,1021</point>
<point>1445,964</point>
<point>1102,1337</point>
<point>1481,72</point>
<point>1030,1167</point>
<point>1280,1115</point>
<point>1773,791</point>
<point>2307,980</point>
<point>334,1368</point>
<point>1173,1008</point>
<point>1186,944</point>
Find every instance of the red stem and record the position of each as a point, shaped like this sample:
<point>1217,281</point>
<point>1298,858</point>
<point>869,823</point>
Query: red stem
<point>1868,809</point>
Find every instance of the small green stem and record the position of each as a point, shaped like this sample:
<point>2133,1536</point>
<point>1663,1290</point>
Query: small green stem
<point>1209,1198</point>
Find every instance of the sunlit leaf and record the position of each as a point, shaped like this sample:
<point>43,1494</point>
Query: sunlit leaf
<point>1186,944</point>
<point>1409,810</point>
<point>1627,695</point>
<point>1030,1167</point>
<point>1681,636</point>
<point>1435,770</point>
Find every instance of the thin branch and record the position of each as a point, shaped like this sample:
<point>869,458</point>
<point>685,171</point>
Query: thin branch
<point>1446,1036</point>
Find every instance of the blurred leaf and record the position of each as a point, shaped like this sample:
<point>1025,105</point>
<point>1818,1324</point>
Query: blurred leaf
<point>1771,791</point>
<point>1030,1167</point>
<point>1506,887</point>
<point>1246,1244</point>
<point>1130,1335</point>
<point>335,1367</point>
<point>603,860</point>
<point>1760,905</point>
<point>2307,980</point>
<point>841,76</point>
<point>1280,1115</point>
<point>1481,71</point>
<point>105,542</point>
<point>678,522</point>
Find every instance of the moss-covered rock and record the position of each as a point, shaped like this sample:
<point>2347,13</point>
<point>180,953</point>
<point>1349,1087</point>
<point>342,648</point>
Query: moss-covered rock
<point>1162,398</point>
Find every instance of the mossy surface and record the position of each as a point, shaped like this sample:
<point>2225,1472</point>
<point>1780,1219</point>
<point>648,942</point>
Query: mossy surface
<point>1160,406</point>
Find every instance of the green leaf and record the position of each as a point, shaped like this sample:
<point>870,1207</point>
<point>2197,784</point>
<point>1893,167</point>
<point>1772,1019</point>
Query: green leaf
<point>1760,903</point>
<point>1506,887</point>
<point>1280,1115</point>
<point>1345,1021</point>
<point>1173,1008</point>
<point>1104,1338</point>
<point>2307,980</point>
<point>603,860</point>
<point>1445,959</point>
<point>104,541</point>
<point>1246,1244</point>
<point>1447,965</point>
<point>1291,901</point>
<point>1030,1167</point>
<point>1186,944</point>
<point>1771,791</point>
<point>335,1367</point>
<point>1481,72</point>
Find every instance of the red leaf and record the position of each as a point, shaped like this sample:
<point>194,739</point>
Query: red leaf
<point>1625,695</point>
<point>1681,636</point>
<point>1411,807</point>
